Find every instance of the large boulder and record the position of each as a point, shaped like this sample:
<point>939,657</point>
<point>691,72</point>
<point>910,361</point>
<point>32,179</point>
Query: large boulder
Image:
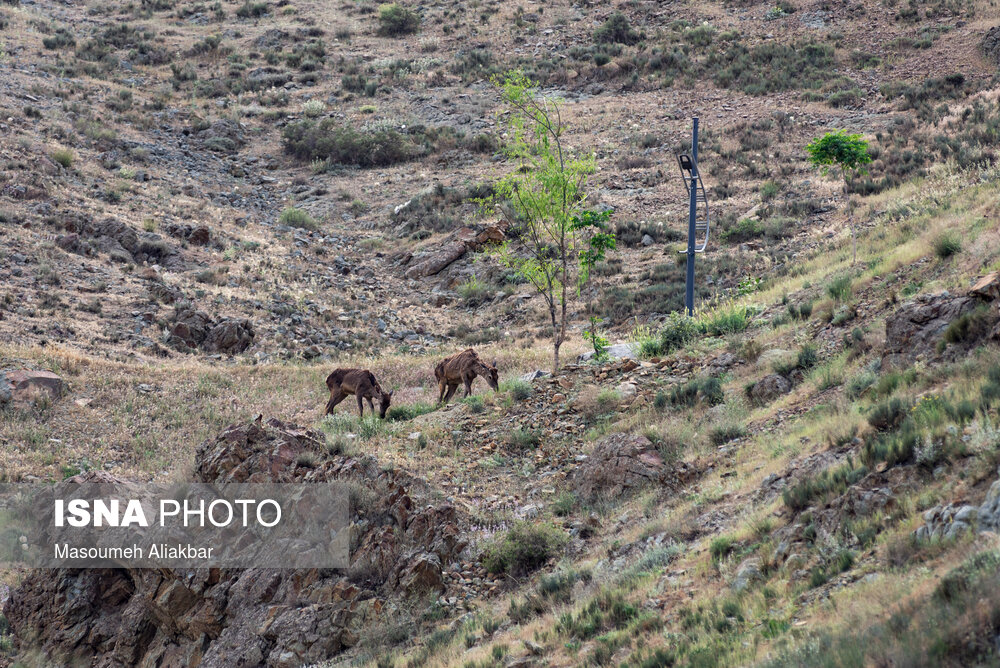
<point>190,328</point>
<point>623,463</point>
<point>25,385</point>
<point>218,618</point>
<point>230,336</point>
<point>769,388</point>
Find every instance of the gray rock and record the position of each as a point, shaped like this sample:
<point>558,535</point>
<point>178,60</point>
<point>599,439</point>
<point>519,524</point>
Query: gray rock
<point>769,388</point>
<point>616,352</point>
<point>647,240</point>
<point>748,573</point>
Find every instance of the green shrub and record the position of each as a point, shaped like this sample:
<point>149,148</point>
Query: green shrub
<point>859,384</point>
<point>725,433</point>
<point>807,357</point>
<point>474,292</point>
<point>772,66</point>
<point>564,504</point>
<point>523,549</point>
<point>840,288</point>
<point>946,245</point>
<point>297,218</point>
<point>616,30</point>
<point>895,448</point>
<point>331,141</point>
<point>889,414</point>
<point>744,230</point>
<point>395,20</point>
<point>64,157</point>
<point>519,389</point>
<point>678,330</point>
<point>720,547</point>
<point>251,10</point>
<point>727,319</point>
<point>407,412</point>
<point>828,483</point>
<point>708,390</point>
<point>523,439</point>
<point>607,611</point>
<point>969,327</point>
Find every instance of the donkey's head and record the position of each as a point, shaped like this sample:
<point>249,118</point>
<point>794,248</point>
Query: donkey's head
<point>384,400</point>
<point>492,376</point>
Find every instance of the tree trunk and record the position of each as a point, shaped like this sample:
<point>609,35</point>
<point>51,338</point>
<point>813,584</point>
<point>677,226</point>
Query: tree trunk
<point>854,243</point>
<point>556,339</point>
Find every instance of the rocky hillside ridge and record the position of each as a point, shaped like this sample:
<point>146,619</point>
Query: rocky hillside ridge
<point>214,617</point>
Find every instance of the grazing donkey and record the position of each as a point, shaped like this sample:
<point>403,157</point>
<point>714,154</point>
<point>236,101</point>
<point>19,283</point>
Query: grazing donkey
<point>362,384</point>
<point>463,368</point>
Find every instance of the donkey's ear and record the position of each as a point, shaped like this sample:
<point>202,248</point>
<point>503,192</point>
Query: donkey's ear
<point>392,392</point>
<point>494,364</point>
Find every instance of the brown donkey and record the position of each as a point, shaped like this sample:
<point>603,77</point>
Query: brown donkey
<point>362,384</point>
<point>463,368</point>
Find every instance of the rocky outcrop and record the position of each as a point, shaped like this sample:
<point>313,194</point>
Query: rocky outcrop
<point>453,248</point>
<point>916,329</point>
<point>25,385</point>
<point>231,336</point>
<point>193,328</point>
<point>991,45</point>
<point>624,463</point>
<point>119,240</point>
<point>951,520</point>
<point>246,617</point>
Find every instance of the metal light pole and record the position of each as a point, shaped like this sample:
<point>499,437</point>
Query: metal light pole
<point>692,218</point>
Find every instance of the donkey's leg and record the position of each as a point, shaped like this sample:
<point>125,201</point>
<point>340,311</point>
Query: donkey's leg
<point>468,383</point>
<point>442,386</point>
<point>371,406</point>
<point>335,398</point>
<point>361,406</point>
<point>451,392</point>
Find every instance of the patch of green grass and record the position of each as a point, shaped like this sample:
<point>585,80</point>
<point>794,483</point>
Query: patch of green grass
<point>64,157</point>
<point>523,439</point>
<point>946,245</point>
<point>840,288</point>
<point>297,218</point>
<point>519,389</point>
<point>408,411</point>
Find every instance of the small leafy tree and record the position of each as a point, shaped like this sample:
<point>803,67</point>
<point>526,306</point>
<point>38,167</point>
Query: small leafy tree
<point>597,340</point>
<point>544,197</point>
<point>843,151</point>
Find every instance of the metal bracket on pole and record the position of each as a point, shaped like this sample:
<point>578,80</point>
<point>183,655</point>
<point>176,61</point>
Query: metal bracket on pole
<point>697,228</point>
